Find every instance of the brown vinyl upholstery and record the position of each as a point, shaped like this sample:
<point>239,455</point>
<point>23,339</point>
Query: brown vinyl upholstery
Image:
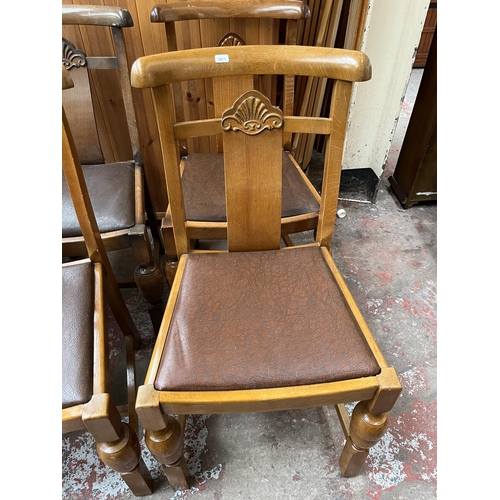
<point>242,318</point>
<point>77,333</point>
<point>111,189</point>
<point>203,186</point>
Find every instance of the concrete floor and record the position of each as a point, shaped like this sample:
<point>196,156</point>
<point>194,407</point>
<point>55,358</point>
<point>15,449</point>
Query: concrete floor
<point>388,257</point>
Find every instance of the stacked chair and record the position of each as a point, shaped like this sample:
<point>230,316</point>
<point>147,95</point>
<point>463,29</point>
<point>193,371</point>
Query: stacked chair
<point>88,286</point>
<point>203,173</point>
<point>106,137</point>
<point>258,327</point>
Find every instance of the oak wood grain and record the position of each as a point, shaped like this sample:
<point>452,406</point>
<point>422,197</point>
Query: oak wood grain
<point>160,69</point>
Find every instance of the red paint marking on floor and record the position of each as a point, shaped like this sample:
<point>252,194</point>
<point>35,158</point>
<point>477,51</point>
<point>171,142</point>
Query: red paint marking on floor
<point>385,278</point>
<point>407,451</point>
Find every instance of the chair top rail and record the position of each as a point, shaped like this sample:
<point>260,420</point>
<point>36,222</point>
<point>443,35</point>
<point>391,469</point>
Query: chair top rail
<point>170,67</point>
<point>96,15</point>
<point>223,9</point>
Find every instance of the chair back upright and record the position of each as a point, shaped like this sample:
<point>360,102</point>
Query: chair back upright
<point>72,169</point>
<point>252,130</point>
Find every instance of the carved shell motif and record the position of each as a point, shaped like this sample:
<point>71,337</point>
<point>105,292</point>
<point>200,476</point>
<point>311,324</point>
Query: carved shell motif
<point>231,40</point>
<point>71,56</point>
<point>252,113</point>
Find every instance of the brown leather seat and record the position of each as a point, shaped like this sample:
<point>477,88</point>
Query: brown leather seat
<point>77,333</point>
<point>248,323</point>
<point>203,185</point>
<point>111,189</point>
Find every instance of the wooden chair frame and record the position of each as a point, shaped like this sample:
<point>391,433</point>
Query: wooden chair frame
<point>148,276</point>
<point>171,14</point>
<point>117,442</point>
<point>375,395</point>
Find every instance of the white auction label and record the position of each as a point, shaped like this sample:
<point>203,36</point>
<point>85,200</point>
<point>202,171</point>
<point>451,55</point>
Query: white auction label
<point>221,58</point>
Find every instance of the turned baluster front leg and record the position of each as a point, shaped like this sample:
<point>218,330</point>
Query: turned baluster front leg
<point>365,431</point>
<point>167,446</point>
<point>369,422</point>
<point>117,443</point>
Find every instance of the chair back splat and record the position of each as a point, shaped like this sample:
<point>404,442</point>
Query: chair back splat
<point>284,330</point>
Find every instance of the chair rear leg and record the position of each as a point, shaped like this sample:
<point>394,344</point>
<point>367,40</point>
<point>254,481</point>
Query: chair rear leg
<point>147,275</point>
<point>287,240</point>
<point>117,443</point>
<point>171,261</point>
<point>151,214</point>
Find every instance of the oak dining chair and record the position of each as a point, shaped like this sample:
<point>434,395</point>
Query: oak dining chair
<point>259,327</point>
<point>88,286</point>
<point>101,113</point>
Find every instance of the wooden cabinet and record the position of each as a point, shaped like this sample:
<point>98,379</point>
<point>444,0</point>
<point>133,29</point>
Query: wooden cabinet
<point>415,176</point>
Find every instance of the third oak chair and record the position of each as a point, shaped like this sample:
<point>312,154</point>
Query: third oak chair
<point>224,24</point>
<point>258,327</point>
<point>101,113</point>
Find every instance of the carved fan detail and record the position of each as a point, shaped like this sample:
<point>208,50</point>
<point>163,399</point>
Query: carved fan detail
<point>231,39</point>
<point>252,113</point>
<point>71,56</point>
